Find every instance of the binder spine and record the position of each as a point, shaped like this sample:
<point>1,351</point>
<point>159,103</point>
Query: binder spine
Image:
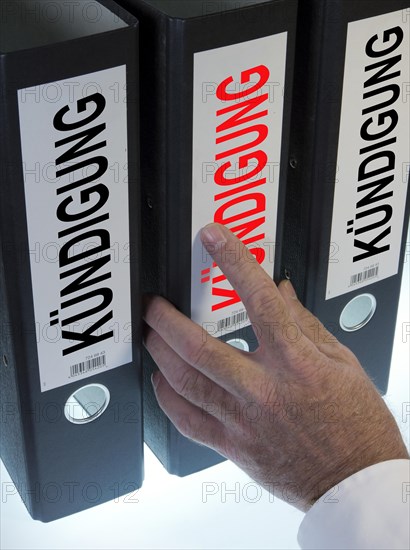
<point>57,456</point>
<point>320,184</point>
<point>173,35</point>
<point>155,234</point>
<point>297,256</point>
<point>12,440</point>
<point>155,237</point>
<point>16,440</point>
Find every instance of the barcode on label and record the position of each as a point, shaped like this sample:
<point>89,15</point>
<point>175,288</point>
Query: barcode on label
<point>229,322</point>
<point>86,366</point>
<point>364,275</point>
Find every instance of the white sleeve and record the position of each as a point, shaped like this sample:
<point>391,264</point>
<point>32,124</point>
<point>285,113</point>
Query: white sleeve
<point>368,510</point>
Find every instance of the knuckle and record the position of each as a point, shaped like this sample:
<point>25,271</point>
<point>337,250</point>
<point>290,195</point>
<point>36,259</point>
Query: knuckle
<point>304,354</point>
<point>268,392</point>
<point>217,440</point>
<point>233,253</point>
<point>187,383</point>
<point>306,318</point>
<point>213,437</point>
<point>157,313</point>
<point>346,356</point>
<point>263,301</point>
<point>151,340</point>
<point>189,428</point>
<point>199,354</point>
<point>185,427</point>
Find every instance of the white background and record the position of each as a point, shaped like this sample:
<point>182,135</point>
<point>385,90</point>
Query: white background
<point>169,512</point>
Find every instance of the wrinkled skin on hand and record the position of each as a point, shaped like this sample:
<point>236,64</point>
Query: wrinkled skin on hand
<point>299,415</point>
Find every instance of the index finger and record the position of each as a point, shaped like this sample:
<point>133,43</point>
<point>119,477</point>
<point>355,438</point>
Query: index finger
<point>264,303</point>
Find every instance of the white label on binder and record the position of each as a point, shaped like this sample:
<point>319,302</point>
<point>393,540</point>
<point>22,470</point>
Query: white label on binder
<point>74,149</point>
<point>373,157</point>
<point>237,131</point>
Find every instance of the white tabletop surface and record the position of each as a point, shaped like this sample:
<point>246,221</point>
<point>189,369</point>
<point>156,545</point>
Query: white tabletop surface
<point>169,512</point>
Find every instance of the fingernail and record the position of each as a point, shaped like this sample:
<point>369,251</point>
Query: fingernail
<point>212,235</point>
<point>155,379</point>
<point>290,291</point>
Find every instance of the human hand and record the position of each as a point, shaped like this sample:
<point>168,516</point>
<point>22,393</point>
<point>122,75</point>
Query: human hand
<point>298,415</point>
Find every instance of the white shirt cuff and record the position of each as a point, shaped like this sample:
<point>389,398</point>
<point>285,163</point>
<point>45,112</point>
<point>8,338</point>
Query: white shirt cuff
<point>368,510</point>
